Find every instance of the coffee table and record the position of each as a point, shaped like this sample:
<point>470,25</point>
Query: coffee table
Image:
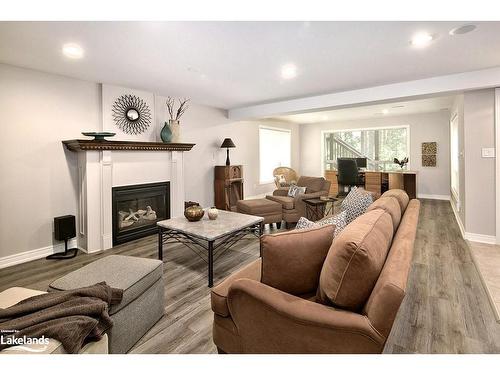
<point>208,238</point>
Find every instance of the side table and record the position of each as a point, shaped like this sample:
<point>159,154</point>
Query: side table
<point>316,208</point>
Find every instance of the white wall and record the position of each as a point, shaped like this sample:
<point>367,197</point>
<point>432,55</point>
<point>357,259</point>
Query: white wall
<point>207,127</point>
<point>458,110</point>
<point>479,132</point>
<point>39,177</point>
<point>424,127</point>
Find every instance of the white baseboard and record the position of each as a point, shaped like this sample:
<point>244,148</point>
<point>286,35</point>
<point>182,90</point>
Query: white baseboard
<point>474,237</point>
<point>434,196</point>
<point>484,238</point>
<point>457,218</point>
<point>30,255</point>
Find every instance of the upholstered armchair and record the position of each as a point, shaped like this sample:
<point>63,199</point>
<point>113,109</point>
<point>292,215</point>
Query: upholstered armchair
<point>294,207</point>
<point>284,173</point>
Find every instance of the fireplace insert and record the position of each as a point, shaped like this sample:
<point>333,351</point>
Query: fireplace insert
<point>137,209</point>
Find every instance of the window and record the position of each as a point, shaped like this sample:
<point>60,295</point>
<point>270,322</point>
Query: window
<point>274,151</point>
<point>379,145</point>
<point>455,158</point>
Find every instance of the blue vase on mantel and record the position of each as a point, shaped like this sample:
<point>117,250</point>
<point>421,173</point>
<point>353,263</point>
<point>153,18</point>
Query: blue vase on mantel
<point>166,133</point>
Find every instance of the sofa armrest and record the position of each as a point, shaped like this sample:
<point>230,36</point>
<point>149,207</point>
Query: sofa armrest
<point>281,192</point>
<point>218,296</point>
<point>292,261</point>
<point>271,321</point>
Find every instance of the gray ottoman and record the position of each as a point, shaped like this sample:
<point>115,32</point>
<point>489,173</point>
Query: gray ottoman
<point>143,289</point>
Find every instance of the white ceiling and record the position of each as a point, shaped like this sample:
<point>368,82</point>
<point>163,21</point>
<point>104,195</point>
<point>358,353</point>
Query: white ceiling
<point>233,64</point>
<point>373,111</point>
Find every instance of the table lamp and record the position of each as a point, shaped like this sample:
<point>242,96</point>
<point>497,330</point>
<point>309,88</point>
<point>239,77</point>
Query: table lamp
<point>227,144</point>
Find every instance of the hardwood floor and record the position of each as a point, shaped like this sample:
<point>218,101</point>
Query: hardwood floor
<point>446,309</point>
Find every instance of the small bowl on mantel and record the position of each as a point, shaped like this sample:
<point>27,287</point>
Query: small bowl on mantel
<point>99,136</point>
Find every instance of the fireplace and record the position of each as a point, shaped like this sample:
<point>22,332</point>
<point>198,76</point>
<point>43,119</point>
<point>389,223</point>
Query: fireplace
<point>137,209</point>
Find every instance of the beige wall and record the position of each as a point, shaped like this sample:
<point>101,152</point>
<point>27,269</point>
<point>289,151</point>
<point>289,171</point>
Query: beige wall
<point>479,132</point>
<point>425,127</point>
<point>207,127</point>
<point>39,177</point>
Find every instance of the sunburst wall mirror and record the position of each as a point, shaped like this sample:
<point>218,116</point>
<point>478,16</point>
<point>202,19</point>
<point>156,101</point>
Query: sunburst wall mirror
<point>131,114</point>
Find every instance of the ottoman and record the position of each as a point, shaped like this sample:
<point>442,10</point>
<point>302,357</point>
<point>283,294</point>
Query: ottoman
<point>269,210</point>
<point>143,294</point>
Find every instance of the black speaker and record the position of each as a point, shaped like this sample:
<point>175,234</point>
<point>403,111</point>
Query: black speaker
<point>64,229</point>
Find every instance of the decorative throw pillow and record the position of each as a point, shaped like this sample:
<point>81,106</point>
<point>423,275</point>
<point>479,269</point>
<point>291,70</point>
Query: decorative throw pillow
<point>356,203</point>
<point>304,223</point>
<point>338,220</point>
<point>281,180</point>
<point>296,190</point>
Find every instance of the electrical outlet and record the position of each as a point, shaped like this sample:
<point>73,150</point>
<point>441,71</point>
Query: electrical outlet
<point>488,152</point>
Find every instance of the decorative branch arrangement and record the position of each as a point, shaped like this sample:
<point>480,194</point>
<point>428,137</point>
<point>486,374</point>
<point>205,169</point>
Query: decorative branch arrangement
<point>176,115</point>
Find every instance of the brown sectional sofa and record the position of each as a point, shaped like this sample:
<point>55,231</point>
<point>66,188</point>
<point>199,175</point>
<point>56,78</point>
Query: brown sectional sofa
<point>294,208</point>
<point>308,294</point>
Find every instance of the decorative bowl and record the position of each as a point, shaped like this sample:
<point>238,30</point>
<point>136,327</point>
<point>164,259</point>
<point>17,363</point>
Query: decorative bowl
<point>98,136</point>
<point>194,213</point>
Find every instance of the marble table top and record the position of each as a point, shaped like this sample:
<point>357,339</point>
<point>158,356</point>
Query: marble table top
<point>226,223</point>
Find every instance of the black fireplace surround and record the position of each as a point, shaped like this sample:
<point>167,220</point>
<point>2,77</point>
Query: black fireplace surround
<point>137,209</point>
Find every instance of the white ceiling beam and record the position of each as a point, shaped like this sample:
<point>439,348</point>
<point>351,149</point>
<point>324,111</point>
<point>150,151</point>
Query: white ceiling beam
<point>447,84</point>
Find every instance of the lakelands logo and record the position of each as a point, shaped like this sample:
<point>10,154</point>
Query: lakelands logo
<point>23,343</point>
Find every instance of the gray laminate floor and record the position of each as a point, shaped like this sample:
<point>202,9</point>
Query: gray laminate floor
<point>446,309</point>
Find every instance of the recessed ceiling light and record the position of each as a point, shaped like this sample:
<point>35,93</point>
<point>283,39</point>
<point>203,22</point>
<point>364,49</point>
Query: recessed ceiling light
<point>288,71</point>
<point>464,29</point>
<point>72,50</point>
<point>324,117</point>
<point>421,39</point>
<point>385,111</point>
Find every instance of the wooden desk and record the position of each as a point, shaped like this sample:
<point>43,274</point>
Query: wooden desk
<point>380,181</point>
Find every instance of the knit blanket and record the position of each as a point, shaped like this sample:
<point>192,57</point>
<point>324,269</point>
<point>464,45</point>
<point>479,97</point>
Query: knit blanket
<point>73,317</point>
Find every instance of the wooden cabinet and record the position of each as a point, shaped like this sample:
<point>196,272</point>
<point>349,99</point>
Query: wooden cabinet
<point>228,186</point>
<point>373,182</point>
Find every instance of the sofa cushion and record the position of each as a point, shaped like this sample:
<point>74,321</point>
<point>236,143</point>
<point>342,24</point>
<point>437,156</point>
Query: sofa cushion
<point>292,261</point>
<point>132,274</point>
<point>313,184</point>
<point>288,203</point>
<point>356,203</point>
<point>355,261</point>
<point>400,195</point>
<point>391,206</point>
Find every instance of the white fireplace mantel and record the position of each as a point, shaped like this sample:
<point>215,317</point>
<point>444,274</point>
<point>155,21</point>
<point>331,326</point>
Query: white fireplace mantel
<point>103,165</point>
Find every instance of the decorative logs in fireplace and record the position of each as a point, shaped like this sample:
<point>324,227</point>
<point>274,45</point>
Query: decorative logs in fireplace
<point>137,209</point>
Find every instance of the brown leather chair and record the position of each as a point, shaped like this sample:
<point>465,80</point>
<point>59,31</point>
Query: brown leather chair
<point>292,300</point>
<point>294,207</point>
